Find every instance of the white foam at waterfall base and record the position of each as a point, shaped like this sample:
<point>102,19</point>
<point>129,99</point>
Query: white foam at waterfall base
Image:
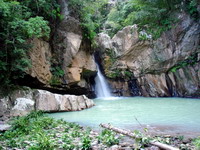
<point>101,85</point>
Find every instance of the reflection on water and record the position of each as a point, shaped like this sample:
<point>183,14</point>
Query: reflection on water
<point>164,114</point>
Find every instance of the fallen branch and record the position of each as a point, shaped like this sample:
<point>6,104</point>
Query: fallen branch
<point>132,135</point>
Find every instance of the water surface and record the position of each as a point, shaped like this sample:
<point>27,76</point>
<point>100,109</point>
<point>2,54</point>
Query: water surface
<point>177,115</point>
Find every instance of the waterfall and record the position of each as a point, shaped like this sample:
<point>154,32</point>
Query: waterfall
<point>101,85</point>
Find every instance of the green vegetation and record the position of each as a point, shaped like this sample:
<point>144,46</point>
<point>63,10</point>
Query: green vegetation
<point>191,60</point>
<point>120,73</point>
<point>91,14</point>
<point>37,131</point>
<point>197,143</point>
<point>21,21</point>
<point>192,8</point>
<point>153,17</point>
<point>57,73</point>
<point>141,139</point>
<point>108,138</point>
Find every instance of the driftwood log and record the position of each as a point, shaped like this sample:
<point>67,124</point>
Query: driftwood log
<point>132,135</point>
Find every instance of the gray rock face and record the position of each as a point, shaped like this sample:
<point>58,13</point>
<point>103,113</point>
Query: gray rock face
<point>21,102</point>
<point>151,60</point>
<point>22,107</point>
<point>47,101</point>
<point>125,39</point>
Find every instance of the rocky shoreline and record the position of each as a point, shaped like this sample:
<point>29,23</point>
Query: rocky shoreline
<point>37,131</point>
<point>22,102</point>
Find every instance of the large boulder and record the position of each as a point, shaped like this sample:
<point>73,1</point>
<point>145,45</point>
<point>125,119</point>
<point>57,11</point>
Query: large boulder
<point>22,107</point>
<point>72,53</point>
<point>48,101</point>
<point>21,102</point>
<point>125,39</point>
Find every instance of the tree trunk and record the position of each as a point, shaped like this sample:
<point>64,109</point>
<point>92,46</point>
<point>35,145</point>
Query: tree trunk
<point>132,135</point>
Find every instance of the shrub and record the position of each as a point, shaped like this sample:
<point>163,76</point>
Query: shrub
<point>108,137</point>
<point>197,143</point>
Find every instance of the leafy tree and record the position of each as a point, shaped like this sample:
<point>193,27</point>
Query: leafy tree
<point>92,14</point>
<point>152,15</point>
<point>20,22</point>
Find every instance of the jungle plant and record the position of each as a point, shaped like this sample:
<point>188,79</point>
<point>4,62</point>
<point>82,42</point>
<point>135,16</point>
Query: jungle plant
<point>86,142</point>
<point>151,16</point>
<point>91,15</point>
<point>197,143</point>
<point>192,8</point>
<point>108,137</point>
<point>44,142</point>
<point>191,60</point>
<point>141,139</point>
<point>57,74</point>
<point>75,133</point>
<point>36,131</point>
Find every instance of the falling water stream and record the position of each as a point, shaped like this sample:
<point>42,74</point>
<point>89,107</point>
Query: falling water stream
<point>101,85</point>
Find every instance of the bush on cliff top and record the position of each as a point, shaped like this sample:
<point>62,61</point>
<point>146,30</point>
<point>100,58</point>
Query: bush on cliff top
<point>92,14</point>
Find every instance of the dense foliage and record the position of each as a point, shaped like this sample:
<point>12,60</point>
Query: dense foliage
<point>20,21</point>
<point>153,16</point>
<point>92,15</point>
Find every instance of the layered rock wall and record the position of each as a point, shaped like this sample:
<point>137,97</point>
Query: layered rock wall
<point>168,66</point>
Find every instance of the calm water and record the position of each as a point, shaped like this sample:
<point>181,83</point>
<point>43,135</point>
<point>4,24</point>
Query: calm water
<point>165,115</point>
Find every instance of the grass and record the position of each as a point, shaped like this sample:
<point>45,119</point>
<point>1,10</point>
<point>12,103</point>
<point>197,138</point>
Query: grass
<point>36,131</point>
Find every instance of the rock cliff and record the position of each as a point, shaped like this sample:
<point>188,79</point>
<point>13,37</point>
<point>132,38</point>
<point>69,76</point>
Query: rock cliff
<point>168,66</point>
<point>65,63</point>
